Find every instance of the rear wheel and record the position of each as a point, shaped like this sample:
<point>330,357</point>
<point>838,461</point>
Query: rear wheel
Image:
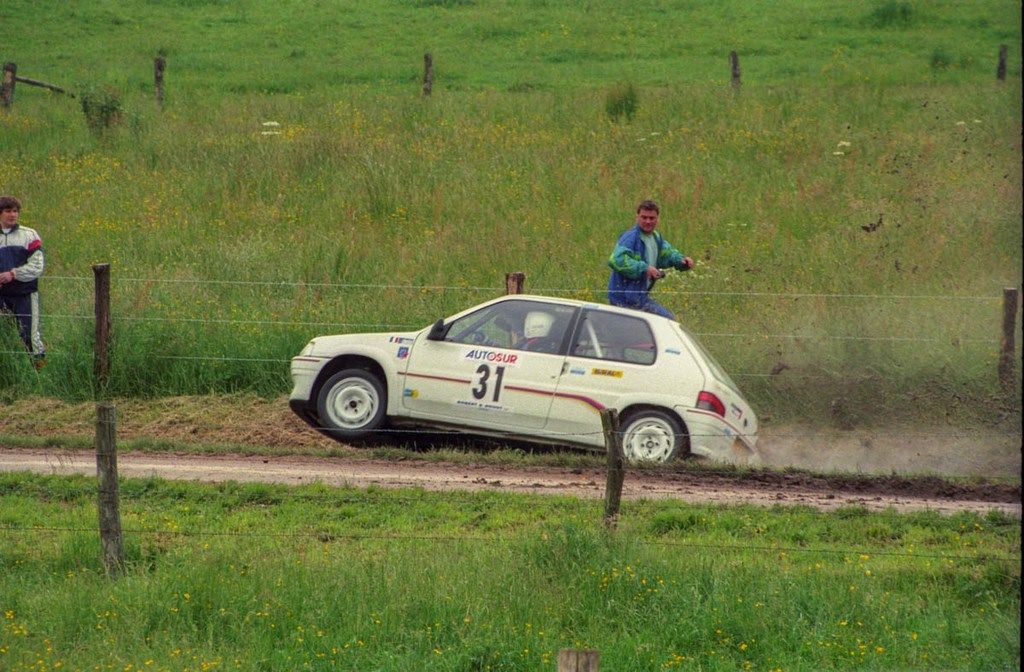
<point>651,435</point>
<point>351,404</point>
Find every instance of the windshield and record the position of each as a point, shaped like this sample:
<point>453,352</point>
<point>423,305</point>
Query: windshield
<point>716,370</point>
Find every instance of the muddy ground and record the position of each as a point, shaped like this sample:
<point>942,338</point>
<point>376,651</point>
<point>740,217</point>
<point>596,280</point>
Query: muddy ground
<point>908,468</point>
<point>758,488</point>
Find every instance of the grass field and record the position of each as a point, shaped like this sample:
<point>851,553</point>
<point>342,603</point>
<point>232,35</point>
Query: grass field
<point>855,211</point>
<point>376,209</point>
<point>250,46</point>
<point>257,577</point>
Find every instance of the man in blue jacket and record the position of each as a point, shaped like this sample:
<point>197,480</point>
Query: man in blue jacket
<point>21,264</point>
<point>637,260</point>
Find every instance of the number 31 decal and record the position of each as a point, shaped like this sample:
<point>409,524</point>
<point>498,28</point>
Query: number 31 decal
<point>480,391</point>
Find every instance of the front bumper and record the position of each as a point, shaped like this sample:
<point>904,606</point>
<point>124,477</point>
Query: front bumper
<point>304,372</point>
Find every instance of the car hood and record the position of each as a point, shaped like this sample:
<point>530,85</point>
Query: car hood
<point>327,346</point>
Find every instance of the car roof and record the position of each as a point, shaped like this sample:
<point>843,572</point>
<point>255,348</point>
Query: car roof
<point>577,303</point>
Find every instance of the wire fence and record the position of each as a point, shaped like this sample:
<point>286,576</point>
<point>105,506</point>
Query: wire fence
<point>808,335</point>
<point>538,290</point>
<point>846,376</point>
<point>258,493</point>
<point>407,326</point>
<point>811,334</point>
<point>783,373</point>
<point>568,436</point>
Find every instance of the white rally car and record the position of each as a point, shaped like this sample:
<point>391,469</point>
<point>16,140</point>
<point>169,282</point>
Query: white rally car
<point>533,368</point>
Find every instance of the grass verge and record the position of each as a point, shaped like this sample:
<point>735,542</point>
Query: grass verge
<point>269,577</point>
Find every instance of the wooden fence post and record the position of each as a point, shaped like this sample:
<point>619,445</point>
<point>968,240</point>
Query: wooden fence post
<point>514,282</point>
<point>7,88</point>
<point>159,65</point>
<point>1007,344</point>
<point>106,473</point>
<point>734,63</point>
<point>579,660</point>
<point>428,73</point>
<point>101,351</point>
<point>1001,68</point>
<point>616,466</point>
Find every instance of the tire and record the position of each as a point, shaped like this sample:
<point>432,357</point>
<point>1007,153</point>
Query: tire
<point>351,404</point>
<point>651,435</point>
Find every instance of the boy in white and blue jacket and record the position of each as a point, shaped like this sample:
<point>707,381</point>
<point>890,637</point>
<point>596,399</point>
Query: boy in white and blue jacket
<point>637,260</point>
<point>21,264</point>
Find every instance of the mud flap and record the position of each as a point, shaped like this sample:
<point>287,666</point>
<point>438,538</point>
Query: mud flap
<point>722,450</point>
<point>744,454</point>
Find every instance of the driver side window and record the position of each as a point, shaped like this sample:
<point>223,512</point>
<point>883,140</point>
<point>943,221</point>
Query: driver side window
<point>515,324</point>
<point>484,327</point>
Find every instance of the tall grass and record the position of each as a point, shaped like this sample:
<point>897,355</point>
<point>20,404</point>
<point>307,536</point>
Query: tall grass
<point>374,209</point>
<point>289,47</point>
<point>345,579</point>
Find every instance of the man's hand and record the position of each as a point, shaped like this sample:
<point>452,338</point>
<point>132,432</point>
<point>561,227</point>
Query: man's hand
<point>654,273</point>
<point>686,264</point>
<point>7,276</point>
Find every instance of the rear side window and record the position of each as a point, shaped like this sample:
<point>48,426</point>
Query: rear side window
<point>614,337</point>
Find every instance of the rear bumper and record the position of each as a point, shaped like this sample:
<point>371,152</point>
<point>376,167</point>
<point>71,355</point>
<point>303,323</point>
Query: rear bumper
<point>716,439</point>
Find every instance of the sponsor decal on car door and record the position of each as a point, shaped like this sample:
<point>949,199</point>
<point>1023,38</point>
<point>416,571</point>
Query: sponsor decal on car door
<point>482,386</point>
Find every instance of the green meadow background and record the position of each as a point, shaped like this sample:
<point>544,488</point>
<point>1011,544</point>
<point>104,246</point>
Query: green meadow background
<point>262,577</point>
<point>855,209</point>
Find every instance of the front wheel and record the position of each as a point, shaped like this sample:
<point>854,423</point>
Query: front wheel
<point>651,435</point>
<point>351,404</point>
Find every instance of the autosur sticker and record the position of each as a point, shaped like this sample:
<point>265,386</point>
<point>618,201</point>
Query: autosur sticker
<point>495,357</point>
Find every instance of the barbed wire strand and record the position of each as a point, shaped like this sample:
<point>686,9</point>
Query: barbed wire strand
<point>287,360</point>
<point>550,434</point>
<point>332,536</point>
<point>282,493</point>
<point>288,493</point>
<point>264,499</point>
<point>204,320</point>
<point>779,376</point>
<point>408,326</point>
<point>537,290</point>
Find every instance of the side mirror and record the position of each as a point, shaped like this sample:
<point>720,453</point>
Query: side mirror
<point>437,332</point>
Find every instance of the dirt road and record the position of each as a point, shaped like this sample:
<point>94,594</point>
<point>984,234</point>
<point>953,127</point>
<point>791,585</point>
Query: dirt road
<point>247,420</point>
<point>875,468</point>
<point>761,488</point>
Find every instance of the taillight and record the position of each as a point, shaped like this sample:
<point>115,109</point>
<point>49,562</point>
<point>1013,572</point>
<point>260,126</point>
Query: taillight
<point>710,402</point>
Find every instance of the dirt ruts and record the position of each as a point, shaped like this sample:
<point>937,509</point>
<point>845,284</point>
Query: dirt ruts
<point>701,485</point>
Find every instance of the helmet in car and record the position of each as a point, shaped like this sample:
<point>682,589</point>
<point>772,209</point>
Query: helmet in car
<point>537,324</point>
